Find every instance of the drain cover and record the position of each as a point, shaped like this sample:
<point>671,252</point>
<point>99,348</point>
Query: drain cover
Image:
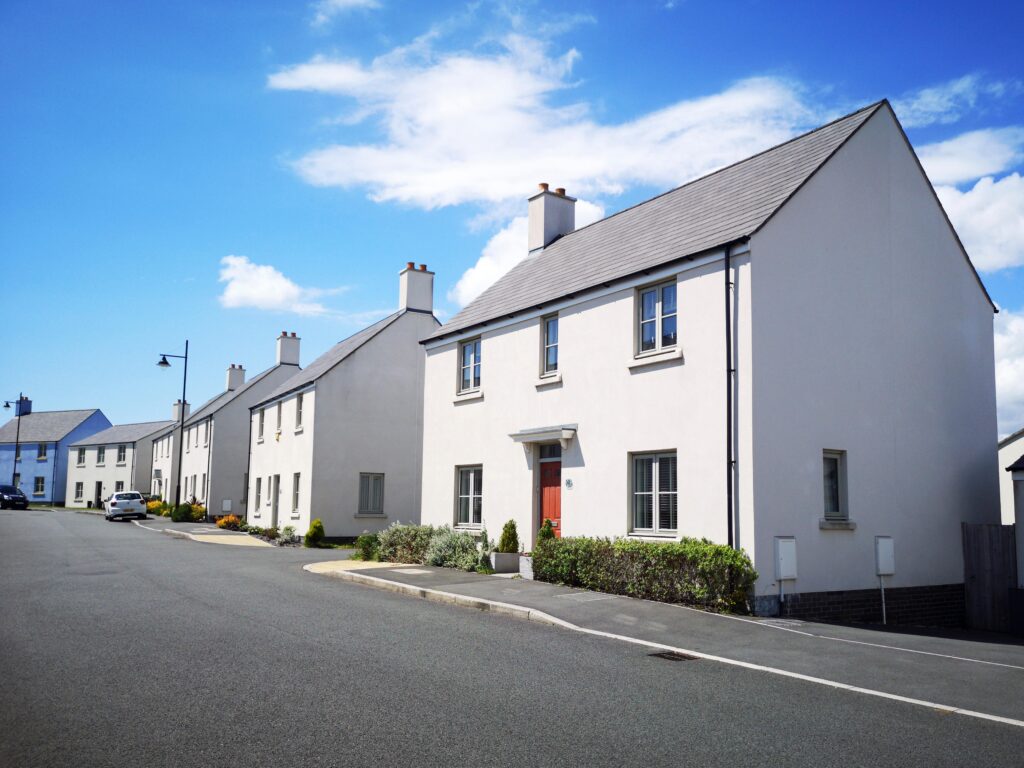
<point>675,656</point>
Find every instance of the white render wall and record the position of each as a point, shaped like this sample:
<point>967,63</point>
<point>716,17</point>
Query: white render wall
<point>1008,454</point>
<point>196,461</point>
<point>164,454</point>
<point>109,473</point>
<point>282,453</point>
<point>674,405</point>
<point>872,336</point>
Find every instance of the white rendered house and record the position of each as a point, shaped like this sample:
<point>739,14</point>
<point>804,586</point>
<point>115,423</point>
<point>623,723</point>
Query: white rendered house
<point>116,459</point>
<point>1011,448</point>
<point>215,453</point>
<point>164,455</point>
<point>794,351</point>
<point>341,440</point>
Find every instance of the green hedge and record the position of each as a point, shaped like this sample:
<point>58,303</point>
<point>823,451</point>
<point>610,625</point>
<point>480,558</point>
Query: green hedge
<point>692,571</point>
<point>404,543</point>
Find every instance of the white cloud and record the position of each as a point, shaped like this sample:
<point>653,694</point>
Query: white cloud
<point>972,155</point>
<point>947,102</point>
<point>990,220</point>
<point>325,10</point>
<point>1009,348</point>
<point>261,286</point>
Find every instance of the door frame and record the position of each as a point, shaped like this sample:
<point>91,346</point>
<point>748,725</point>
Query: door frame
<point>539,517</point>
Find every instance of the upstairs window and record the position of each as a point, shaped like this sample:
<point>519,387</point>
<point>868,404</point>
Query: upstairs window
<point>550,352</point>
<point>371,493</point>
<point>469,365</point>
<point>101,455</point>
<point>81,457</point>
<point>279,417</point>
<point>833,464</point>
<point>298,410</point>
<point>206,433</point>
<point>262,421</point>
<point>122,452</point>
<point>41,454</point>
<point>656,324</point>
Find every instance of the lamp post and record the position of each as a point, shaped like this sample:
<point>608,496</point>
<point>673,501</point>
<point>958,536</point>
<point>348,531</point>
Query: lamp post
<point>163,363</point>
<point>17,431</point>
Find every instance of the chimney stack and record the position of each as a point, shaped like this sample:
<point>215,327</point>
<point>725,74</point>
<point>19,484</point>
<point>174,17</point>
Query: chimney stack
<point>176,411</point>
<point>552,214</point>
<point>287,349</point>
<point>235,378</point>
<point>22,406</point>
<point>416,288</point>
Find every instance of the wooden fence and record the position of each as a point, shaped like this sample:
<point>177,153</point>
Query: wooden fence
<point>990,571</point>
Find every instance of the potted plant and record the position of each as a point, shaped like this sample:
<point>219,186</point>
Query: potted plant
<point>505,559</point>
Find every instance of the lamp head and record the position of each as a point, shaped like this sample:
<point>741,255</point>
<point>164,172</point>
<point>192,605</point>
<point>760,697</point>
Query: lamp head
<point>163,362</point>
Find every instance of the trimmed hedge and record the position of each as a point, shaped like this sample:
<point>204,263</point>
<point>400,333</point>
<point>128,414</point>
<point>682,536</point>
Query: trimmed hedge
<point>404,543</point>
<point>315,535</point>
<point>452,549</point>
<point>692,571</point>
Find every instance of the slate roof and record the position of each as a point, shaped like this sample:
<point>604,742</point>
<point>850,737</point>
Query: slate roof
<point>1017,466</point>
<point>44,426</point>
<point>124,433</point>
<point>722,207</point>
<point>1010,438</point>
<point>331,358</point>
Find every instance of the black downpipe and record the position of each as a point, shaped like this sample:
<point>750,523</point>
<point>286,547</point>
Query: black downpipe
<point>729,373</point>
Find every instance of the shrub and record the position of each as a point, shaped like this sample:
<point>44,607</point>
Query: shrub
<point>509,541</point>
<point>270,533</point>
<point>182,514</point>
<point>198,512</point>
<point>315,534</point>
<point>692,571</point>
<point>254,530</point>
<point>367,546</point>
<point>229,523</point>
<point>288,533</point>
<point>452,549</point>
<point>153,507</point>
<point>546,532</point>
<point>404,543</point>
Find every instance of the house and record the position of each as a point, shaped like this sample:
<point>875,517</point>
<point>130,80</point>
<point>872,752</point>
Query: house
<point>34,448</point>
<point>1011,448</point>
<point>792,355</point>
<point>341,440</point>
<point>109,461</point>
<point>1016,473</point>
<point>215,449</point>
<point>164,459</point>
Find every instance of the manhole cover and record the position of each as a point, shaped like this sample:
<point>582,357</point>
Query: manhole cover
<point>675,656</point>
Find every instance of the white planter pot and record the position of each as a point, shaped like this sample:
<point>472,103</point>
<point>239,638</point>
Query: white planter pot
<point>505,562</point>
<point>526,567</point>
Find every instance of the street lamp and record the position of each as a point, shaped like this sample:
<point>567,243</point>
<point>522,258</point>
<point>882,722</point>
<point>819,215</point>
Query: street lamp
<point>19,405</point>
<point>164,363</point>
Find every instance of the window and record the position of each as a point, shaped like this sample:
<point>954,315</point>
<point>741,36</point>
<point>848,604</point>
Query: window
<point>371,493</point>
<point>122,451</point>
<point>295,491</point>
<point>279,417</point>
<point>17,480</point>
<point>40,486</point>
<point>470,506</point>
<point>79,491</point>
<point>81,457</point>
<point>655,498</point>
<point>17,452</point>
<point>263,418</point>
<point>41,453</point>
<point>119,486</point>
<point>206,432</point>
<point>469,363</point>
<point>188,440</point>
<point>193,485</point>
<point>298,410</point>
<point>833,464</point>
<point>259,491</point>
<point>197,435</point>
<point>657,318</point>
<point>203,486</point>
<point>101,455</point>
<point>270,491</point>
<point>550,345</point>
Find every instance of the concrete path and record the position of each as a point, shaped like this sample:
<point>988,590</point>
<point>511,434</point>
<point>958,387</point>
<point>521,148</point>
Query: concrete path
<point>967,673</point>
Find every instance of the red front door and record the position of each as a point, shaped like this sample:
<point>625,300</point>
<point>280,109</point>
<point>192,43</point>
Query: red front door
<point>551,494</point>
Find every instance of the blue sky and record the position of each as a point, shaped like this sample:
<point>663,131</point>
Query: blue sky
<point>224,171</point>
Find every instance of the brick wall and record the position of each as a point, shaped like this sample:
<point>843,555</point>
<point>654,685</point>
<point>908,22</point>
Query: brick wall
<point>941,605</point>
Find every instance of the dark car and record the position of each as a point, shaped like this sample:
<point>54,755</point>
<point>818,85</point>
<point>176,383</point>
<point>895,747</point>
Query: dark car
<point>11,497</point>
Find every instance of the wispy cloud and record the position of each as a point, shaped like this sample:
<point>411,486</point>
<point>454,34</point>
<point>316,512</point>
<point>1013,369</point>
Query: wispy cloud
<point>972,155</point>
<point>261,286</point>
<point>324,11</point>
<point>948,102</point>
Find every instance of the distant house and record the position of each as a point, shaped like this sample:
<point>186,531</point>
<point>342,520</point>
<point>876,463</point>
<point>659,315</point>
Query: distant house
<point>112,460</point>
<point>342,440</point>
<point>164,459</point>
<point>34,453</point>
<point>215,455</point>
<point>1011,448</point>
<point>792,355</point>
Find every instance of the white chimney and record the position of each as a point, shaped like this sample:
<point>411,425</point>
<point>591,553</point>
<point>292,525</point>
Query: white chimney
<point>416,288</point>
<point>287,349</point>
<point>235,377</point>
<point>552,214</point>
<point>176,411</point>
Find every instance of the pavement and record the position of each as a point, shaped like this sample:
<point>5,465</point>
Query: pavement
<point>965,673</point>
<point>123,647</point>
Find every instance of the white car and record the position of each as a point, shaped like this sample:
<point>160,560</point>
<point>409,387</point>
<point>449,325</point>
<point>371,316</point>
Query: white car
<point>126,504</point>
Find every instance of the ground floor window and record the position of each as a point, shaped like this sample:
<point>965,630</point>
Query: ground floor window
<point>79,491</point>
<point>655,497</point>
<point>40,486</point>
<point>470,498</point>
<point>295,491</point>
<point>371,493</point>
<point>119,486</point>
<point>834,482</point>
<point>259,491</point>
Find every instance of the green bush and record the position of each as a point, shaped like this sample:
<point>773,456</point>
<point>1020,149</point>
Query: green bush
<point>546,532</point>
<point>315,534</point>
<point>452,549</point>
<point>270,533</point>
<point>254,530</point>
<point>182,514</point>
<point>509,540</point>
<point>404,543</point>
<point>367,546</point>
<point>692,571</point>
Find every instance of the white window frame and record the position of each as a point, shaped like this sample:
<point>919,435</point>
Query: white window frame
<point>367,497</point>
<point>547,344</point>
<point>206,432</point>
<point>298,411</point>
<point>296,484</point>
<point>259,492</point>
<point>842,513</point>
<point>80,461</point>
<point>476,357</point>
<point>203,486</point>
<point>122,454</point>
<point>262,423</point>
<point>39,486</point>
<point>118,486</point>
<point>101,456</point>
<point>279,407</point>
<point>654,493</point>
<point>475,492</point>
<point>658,320</point>
<point>41,452</point>
<point>79,491</point>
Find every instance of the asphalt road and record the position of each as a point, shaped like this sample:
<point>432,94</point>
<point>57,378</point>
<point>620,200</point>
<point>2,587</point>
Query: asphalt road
<point>124,647</point>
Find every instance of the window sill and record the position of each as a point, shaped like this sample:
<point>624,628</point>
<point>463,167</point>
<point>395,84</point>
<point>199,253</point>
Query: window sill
<point>121,464</point>
<point>299,430</point>
<point>652,535</point>
<point>41,458</point>
<point>475,394</point>
<point>551,380</point>
<point>259,441</point>
<point>653,358</point>
<point>295,516</point>
<point>371,515</point>
<point>38,493</point>
<point>100,464</point>
<point>475,528</point>
<point>836,525</point>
